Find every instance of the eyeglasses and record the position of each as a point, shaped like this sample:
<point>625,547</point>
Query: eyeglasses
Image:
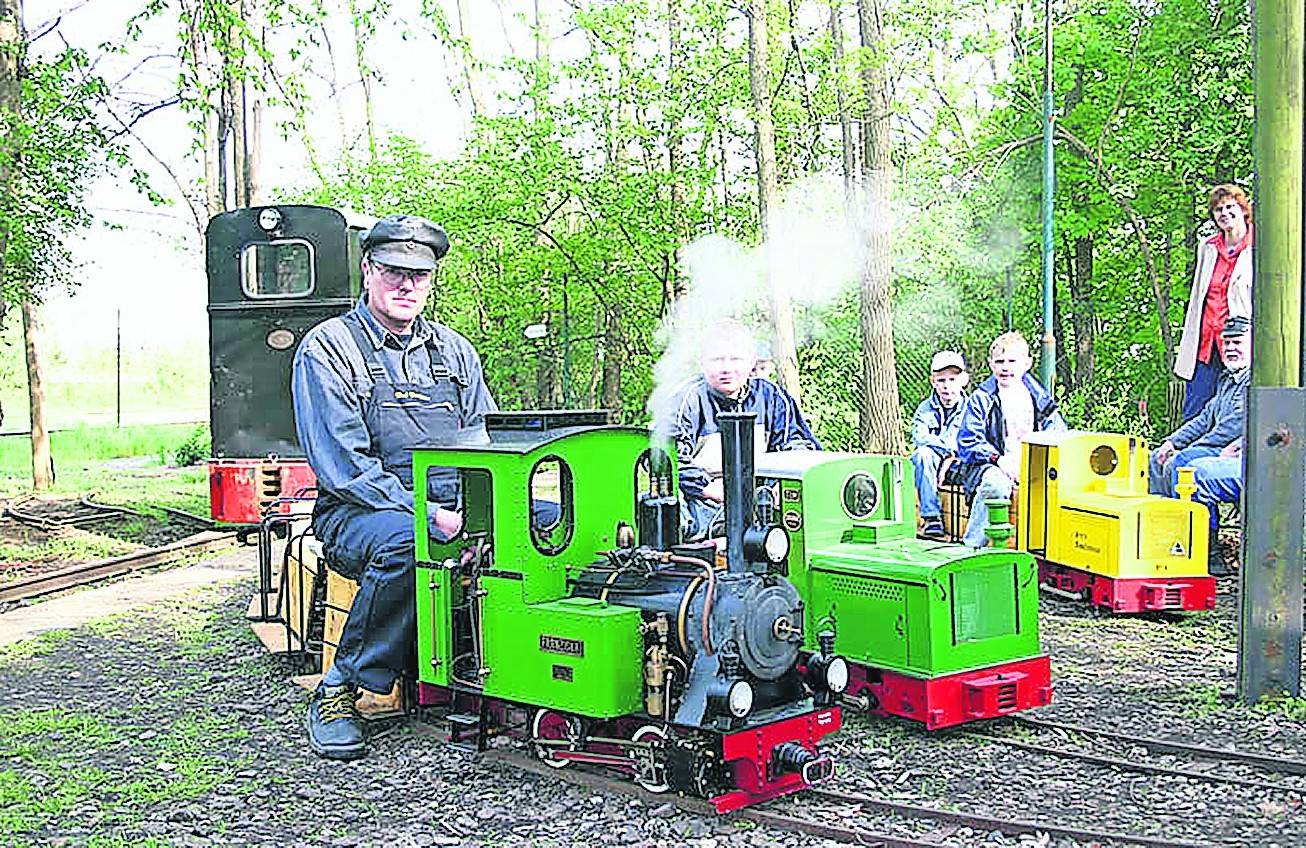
<point>395,277</point>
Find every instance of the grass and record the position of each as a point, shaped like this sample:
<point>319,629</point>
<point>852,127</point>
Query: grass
<point>56,764</point>
<point>40,645</point>
<point>78,450</point>
<point>1286,706</point>
<point>52,783</point>
<point>128,466</point>
<point>81,383</point>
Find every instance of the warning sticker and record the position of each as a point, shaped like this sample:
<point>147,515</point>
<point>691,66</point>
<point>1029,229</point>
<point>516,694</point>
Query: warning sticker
<point>1178,550</point>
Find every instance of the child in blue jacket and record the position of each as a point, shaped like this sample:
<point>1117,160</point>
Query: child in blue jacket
<point>1006,408</point>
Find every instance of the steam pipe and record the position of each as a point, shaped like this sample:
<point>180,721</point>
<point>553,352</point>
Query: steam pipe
<point>737,470</point>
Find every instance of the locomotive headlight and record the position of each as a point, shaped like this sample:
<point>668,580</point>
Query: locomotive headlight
<point>836,675</point>
<point>740,699</point>
<point>269,219</point>
<point>827,672</point>
<point>766,545</point>
<point>776,545</point>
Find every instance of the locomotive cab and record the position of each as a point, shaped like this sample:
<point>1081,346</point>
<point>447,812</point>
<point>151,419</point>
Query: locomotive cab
<point>274,272</point>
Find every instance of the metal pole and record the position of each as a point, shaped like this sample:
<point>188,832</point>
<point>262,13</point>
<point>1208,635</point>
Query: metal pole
<point>1270,631</point>
<point>1048,360</point>
<point>117,414</point>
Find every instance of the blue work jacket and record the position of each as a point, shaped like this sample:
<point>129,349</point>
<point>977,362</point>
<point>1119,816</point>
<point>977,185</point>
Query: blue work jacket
<point>982,438</point>
<point>1222,419</point>
<point>331,387</point>
<point>694,410</point>
<point>932,426</point>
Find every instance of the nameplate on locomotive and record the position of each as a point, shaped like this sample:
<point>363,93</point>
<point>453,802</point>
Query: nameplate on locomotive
<point>562,645</point>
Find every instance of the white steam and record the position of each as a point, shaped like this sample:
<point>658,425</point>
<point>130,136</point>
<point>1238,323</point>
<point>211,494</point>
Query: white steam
<point>814,253</point>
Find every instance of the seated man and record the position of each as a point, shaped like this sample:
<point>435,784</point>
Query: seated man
<point>727,358</point>
<point>1211,441</point>
<point>367,386</point>
<point>1006,408</point>
<point>934,429</point>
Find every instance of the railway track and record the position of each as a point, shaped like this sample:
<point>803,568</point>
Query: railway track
<point>1281,765</point>
<point>1224,756</point>
<point>80,575</point>
<point>850,804</point>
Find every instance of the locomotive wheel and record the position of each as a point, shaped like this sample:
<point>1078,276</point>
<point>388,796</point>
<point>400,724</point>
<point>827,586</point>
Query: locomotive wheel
<point>554,726</point>
<point>651,762</point>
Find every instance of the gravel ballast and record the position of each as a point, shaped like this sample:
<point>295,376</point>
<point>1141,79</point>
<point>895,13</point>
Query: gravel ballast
<point>173,727</point>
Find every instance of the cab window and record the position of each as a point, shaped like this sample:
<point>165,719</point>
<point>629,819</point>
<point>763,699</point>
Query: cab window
<point>552,505</point>
<point>276,269</point>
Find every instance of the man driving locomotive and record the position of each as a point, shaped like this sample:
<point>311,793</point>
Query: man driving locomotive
<point>367,386</point>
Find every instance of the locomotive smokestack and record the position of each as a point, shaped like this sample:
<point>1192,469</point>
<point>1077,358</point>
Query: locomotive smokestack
<point>737,470</point>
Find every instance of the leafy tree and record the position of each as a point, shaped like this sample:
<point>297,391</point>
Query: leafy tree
<point>52,147</point>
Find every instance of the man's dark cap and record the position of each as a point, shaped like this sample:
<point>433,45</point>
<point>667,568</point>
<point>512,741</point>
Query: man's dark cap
<point>1235,326</point>
<point>406,241</point>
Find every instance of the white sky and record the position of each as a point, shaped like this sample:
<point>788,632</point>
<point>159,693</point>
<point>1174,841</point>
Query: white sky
<point>153,267</point>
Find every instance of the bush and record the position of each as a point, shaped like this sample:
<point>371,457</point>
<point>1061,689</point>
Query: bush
<point>195,449</point>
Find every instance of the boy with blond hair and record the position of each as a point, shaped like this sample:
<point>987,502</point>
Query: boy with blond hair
<point>1003,410</point>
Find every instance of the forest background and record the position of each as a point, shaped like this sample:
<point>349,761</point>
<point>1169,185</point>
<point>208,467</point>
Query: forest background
<point>619,161</point>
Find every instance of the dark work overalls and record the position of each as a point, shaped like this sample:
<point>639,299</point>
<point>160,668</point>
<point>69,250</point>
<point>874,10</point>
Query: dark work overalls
<point>376,545</point>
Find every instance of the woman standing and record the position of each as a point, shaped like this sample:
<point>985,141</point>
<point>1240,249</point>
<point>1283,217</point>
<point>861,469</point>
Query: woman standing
<point>1222,286</point>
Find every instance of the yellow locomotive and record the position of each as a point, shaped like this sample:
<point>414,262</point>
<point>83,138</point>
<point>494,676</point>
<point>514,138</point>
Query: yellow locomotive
<point>1085,512</point>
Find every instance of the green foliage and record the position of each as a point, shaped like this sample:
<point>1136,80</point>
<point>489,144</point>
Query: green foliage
<point>53,151</point>
<point>575,192</point>
<point>1286,706</point>
<point>197,447</point>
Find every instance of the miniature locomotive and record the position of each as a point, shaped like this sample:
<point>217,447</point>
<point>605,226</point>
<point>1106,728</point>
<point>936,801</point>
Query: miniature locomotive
<point>933,632</point>
<point>652,659</point>
<point>1085,512</point>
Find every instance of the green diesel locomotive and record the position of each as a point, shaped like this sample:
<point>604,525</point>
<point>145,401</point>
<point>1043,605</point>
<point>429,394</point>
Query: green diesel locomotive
<point>934,632</point>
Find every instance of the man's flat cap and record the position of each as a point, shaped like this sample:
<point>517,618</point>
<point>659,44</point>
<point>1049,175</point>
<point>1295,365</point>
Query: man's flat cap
<point>406,241</point>
<point>1235,326</point>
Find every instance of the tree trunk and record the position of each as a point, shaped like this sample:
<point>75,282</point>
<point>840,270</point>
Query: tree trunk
<point>1082,317</point>
<point>42,462</point>
<point>612,359</point>
<point>673,286</point>
<point>768,189</point>
<point>12,46</point>
<point>202,54</point>
<point>469,61</point>
<point>13,43</point>
<point>879,422</point>
<point>254,147</point>
<point>848,142</point>
<point>239,158</point>
<point>252,123</point>
<point>1061,364</point>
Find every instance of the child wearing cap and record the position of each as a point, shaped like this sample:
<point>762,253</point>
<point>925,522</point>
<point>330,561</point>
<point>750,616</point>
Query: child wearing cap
<point>934,429</point>
<point>1006,408</point>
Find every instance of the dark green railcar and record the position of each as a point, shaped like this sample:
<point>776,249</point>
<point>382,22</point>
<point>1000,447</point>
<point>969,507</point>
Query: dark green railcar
<point>274,273</point>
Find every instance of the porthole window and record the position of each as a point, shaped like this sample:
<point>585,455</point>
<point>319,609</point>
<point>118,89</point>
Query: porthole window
<point>552,505</point>
<point>861,496</point>
<point>277,269</point>
<point>1103,460</point>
